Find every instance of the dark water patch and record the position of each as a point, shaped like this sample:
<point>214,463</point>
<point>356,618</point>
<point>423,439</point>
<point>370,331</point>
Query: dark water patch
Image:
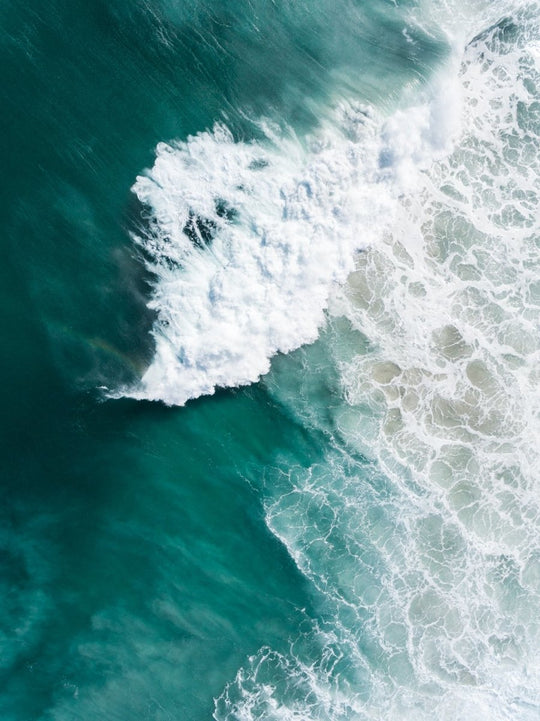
<point>135,286</point>
<point>201,231</point>
<point>500,37</point>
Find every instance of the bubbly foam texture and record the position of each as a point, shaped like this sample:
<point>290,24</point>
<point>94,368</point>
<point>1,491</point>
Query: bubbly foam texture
<point>246,241</point>
<point>427,562</point>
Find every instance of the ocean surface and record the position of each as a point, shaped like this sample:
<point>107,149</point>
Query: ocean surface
<point>270,291</point>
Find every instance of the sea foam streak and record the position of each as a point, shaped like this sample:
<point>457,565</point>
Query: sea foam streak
<point>426,565</point>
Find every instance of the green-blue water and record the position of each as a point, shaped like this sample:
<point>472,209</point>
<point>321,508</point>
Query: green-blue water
<point>271,551</point>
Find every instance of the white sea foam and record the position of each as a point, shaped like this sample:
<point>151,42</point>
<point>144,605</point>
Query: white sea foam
<point>427,569</point>
<point>246,241</point>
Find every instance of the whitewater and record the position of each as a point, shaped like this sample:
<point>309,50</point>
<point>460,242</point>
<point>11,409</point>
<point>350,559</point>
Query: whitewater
<point>406,241</point>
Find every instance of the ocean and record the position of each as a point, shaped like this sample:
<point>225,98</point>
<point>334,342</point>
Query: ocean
<point>271,299</point>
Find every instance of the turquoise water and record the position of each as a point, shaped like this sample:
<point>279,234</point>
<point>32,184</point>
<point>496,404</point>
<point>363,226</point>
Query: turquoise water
<point>271,301</point>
